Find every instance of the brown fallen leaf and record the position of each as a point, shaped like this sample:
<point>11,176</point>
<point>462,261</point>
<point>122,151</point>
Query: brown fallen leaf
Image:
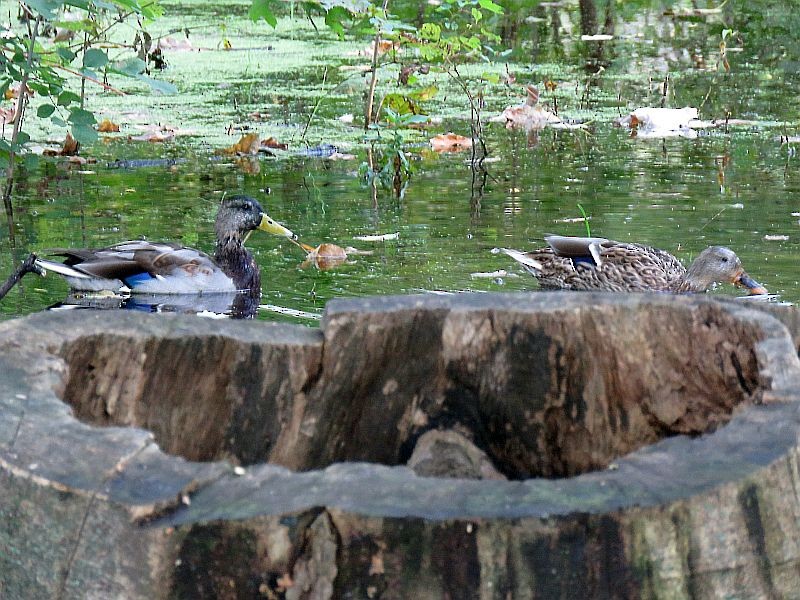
<point>450,142</point>
<point>259,115</point>
<point>154,136</point>
<point>247,144</point>
<point>325,256</point>
<point>70,148</point>
<point>108,126</point>
<point>271,142</point>
<point>528,115</point>
<point>13,92</point>
<point>8,115</point>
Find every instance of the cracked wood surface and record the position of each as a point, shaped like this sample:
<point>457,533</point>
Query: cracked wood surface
<point>525,380</point>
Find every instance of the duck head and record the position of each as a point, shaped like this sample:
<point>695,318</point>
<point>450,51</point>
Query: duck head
<point>239,215</point>
<point>718,264</point>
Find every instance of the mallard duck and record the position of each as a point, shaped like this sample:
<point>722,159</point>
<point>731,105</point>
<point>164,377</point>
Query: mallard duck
<point>588,263</point>
<point>142,267</point>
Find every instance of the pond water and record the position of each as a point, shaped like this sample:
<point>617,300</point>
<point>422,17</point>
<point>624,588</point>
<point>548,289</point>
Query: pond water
<point>735,187</point>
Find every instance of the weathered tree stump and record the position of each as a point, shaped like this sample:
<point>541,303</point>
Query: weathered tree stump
<point>478,446</point>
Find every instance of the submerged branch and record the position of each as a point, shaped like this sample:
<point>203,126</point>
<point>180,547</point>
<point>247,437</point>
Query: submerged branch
<point>28,266</point>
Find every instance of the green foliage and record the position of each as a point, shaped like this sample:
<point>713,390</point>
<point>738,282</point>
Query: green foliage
<point>28,60</point>
<point>263,9</point>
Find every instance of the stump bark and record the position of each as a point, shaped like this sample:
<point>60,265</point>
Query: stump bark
<point>477,446</point>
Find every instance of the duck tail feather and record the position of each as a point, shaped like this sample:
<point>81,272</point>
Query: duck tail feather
<point>60,268</point>
<point>523,258</point>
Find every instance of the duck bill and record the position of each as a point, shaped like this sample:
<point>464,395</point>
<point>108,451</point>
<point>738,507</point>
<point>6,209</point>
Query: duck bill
<point>744,280</point>
<point>269,225</point>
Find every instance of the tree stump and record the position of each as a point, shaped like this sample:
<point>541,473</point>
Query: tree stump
<point>548,445</point>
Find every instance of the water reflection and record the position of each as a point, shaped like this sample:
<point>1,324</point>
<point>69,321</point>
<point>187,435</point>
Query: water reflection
<point>237,305</point>
<point>735,187</point>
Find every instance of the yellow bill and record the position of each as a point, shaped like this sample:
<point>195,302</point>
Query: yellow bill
<point>269,225</point>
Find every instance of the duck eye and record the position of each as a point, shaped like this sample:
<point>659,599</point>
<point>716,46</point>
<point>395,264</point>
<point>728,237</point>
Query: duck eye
<point>724,259</point>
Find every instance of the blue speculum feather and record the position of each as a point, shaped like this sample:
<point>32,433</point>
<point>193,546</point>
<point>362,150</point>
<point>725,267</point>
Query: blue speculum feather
<point>137,279</point>
<point>586,260</point>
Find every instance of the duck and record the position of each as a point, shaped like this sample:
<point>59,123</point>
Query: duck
<point>594,263</point>
<point>143,267</point>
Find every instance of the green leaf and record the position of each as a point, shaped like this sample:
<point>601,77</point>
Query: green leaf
<point>334,18</point>
<point>46,8</point>
<point>65,54</point>
<point>262,9</point>
<point>45,110</point>
<point>22,138</point>
<point>78,116</point>
<point>85,134</point>
<point>157,85</point>
<point>431,32</point>
<point>58,121</point>
<point>67,98</point>
<point>476,14</point>
<point>94,58</point>
<point>491,6</point>
<point>30,161</point>
<point>131,67</point>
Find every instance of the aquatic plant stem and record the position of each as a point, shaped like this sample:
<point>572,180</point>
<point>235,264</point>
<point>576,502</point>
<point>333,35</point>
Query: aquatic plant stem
<point>316,106</point>
<point>374,81</point>
<point>22,101</point>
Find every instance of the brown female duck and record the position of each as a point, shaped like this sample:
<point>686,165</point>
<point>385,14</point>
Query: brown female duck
<point>142,267</point>
<point>578,263</point>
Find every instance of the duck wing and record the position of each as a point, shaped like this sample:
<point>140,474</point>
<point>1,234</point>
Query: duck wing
<point>578,263</point>
<point>144,267</point>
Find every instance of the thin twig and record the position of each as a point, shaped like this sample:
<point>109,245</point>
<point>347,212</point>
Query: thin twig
<point>374,82</point>
<point>105,86</point>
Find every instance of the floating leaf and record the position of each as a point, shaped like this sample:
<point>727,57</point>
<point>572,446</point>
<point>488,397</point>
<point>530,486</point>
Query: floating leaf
<point>247,144</point>
<point>271,142</point>
<point>450,142</point>
<point>325,256</point>
<point>107,126</point>
<point>70,147</point>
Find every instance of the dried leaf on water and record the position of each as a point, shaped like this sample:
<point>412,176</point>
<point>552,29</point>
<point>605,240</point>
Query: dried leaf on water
<point>272,143</point>
<point>108,126</point>
<point>528,115</point>
<point>159,133</point>
<point>325,256</point>
<point>247,144</point>
<point>450,142</point>
<point>70,147</point>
